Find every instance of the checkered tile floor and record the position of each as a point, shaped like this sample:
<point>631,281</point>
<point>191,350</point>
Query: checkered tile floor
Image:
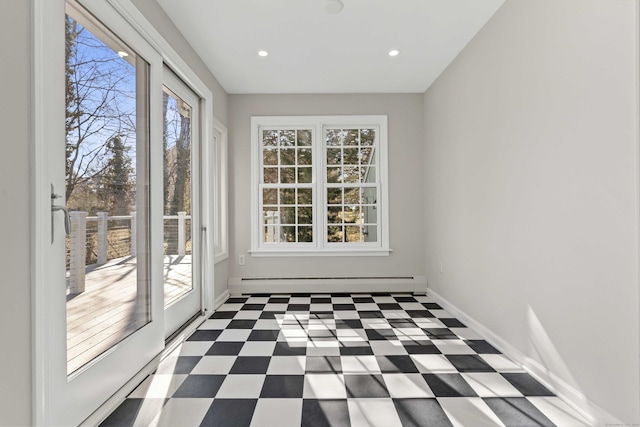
<point>338,360</point>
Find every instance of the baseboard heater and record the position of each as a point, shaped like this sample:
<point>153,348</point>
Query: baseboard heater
<point>249,285</point>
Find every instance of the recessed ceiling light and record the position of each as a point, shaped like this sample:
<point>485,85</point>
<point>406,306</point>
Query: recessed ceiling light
<point>394,52</point>
<point>122,53</point>
<point>334,6</point>
<point>263,53</point>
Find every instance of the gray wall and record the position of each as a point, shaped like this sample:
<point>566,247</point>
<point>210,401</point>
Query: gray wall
<point>405,184</point>
<point>159,19</point>
<point>15,295</point>
<point>531,187</point>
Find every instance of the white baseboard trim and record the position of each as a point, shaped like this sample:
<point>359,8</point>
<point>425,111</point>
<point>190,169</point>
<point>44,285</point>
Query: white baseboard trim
<point>591,412</point>
<point>221,299</point>
<point>114,401</point>
<point>239,285</point>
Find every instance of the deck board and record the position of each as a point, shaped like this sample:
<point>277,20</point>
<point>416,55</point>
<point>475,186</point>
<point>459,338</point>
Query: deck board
<point>104,314</point>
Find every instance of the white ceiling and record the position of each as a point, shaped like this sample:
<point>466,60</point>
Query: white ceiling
<point>313,51</point>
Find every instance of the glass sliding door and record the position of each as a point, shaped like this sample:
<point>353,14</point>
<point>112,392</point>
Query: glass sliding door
<point>181,183</point>
<point>100,319</point>
<point>106,189</point>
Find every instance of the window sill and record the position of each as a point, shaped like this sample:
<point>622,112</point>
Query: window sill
<point>319,253</point>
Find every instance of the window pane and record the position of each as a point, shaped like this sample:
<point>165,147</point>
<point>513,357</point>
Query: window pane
<point>288,233</point>
<point>334,156</point>
<point>270,196</point>
<point>334,233</point>
<point>305,196</point>
<point>270,175</point>
<point>305,215</point>
<point>270,156</point>
<point>287,138</point>
<point>369,195</point>
<point>351,174</point>
<point>287,215</point>
<point>351,137</point>
<point>287,175</point>
<point>305,234</point>
<point>365,155</point>
<point>304,138</point>
<point>271,233</point>
<point>304,156</point>
<point>352,214</point>
<point>333,175</point>
<point>367,174</point>
<point>332,137</point>
<point>353,234</point>
<point>350,156</point>
<point>305,175</point>
<point>270,138</point>
<point>367,136</point>
<point>334,196</point>
<point>287,156</point>
<point>334,214</point>
<point>352,196</point>
<point>287,196</point>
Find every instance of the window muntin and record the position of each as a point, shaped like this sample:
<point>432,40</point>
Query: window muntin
<point>319,185</point>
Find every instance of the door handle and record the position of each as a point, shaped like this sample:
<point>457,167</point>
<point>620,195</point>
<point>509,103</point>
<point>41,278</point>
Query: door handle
<point>56,208</point>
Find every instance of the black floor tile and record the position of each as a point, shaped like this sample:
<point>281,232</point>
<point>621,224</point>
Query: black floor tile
<point>285,349</point>
<point>517,412</point>
<point>348,324</point>
<point>449,385</point>
<point>134,411</point>
<point>298,307</point>
<point>526,384</point>
<point>200,386</point>
<point>264,335</point>
<point>344,307</point>
<point>225,349</point>
<point>241,324</point>
<point>420,314</point>
<point>440,334</point>
<point>381,334</point>
<point>325,413</point>
<point>482,347</point>
<point>355,350</point>
<point>421,413</point>
<point>282,386</point>
<point>250,365</point>
<point>396,363</point>
<point>253,307</point>
<point>205,335</point>
<point>469,363</point>
<point>223,315</point>
<point>420,347</point>
<point>453,323</point>
<point>230,412</point>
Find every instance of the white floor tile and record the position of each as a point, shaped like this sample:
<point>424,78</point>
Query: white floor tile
<point>214,324</point>
<point>453,347</point>
<point>359,365</point>
<point>241,387</point>
<point>432,363</point>
<point>407,386</point>
<point>373,413</point>
<point>501,363</point>
<point>234,335</point>
<point>195,348</point>
<point>258,348</point>
<point>490,384</point>
<point>287,365</point>
<point>558,412</point>
<point>214,365</point>
<point>382,347</point>
<point>280,412</point>
<point>324,386</point>
<point>469,411</point>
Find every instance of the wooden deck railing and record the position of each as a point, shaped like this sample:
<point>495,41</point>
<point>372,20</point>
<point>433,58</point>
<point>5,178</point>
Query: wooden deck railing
<point>78,241</point>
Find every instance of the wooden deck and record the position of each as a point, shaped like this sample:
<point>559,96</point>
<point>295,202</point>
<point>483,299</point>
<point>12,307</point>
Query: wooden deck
<point>109,309</point>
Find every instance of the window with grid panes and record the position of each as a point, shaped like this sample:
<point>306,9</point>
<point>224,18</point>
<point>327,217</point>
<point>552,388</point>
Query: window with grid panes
<point>319,185</point>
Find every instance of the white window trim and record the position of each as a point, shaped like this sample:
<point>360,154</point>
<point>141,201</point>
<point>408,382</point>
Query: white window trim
<point>320,247</point>
<point>220,194</point>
